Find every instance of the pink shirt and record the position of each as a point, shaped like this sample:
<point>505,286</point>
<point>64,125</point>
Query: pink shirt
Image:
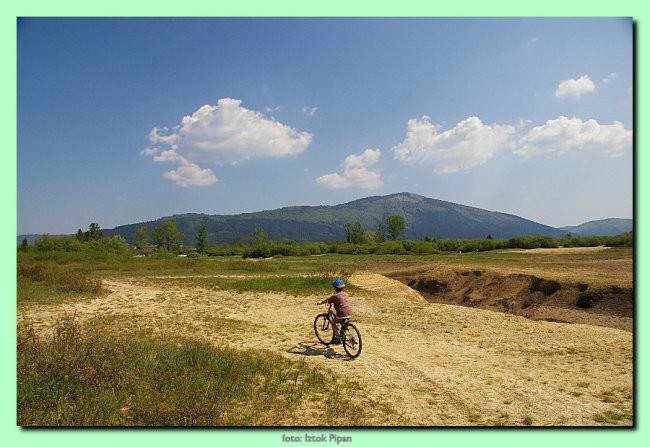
<point>341,304</point>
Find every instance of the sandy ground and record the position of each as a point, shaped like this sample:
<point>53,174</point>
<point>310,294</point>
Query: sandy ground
<point>566,250</point>
<point>422,364</point>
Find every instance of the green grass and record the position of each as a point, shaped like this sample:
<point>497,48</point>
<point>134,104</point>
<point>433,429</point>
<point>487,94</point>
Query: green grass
<point>203,266</point>
<point>50,283</point>
<point>81,378</point>
<point>291,285</point>
<point>34,292</point>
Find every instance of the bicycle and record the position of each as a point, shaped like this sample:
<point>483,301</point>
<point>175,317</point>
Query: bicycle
<point>348,333</point>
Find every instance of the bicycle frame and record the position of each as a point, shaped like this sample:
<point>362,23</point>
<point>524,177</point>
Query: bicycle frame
<point>351,343</point>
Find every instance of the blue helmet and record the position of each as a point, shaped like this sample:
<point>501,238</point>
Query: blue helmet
<point>338,283</point>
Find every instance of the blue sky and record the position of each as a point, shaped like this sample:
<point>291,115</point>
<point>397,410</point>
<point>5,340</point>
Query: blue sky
<point>128,120</point>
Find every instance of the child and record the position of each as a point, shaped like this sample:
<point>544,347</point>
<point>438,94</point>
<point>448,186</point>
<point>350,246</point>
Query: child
<point>341,306</point>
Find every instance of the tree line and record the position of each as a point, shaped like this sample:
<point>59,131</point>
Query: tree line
<point>387,238</point>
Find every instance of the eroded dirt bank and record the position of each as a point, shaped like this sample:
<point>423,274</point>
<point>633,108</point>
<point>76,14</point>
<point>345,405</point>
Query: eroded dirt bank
<point>524,295</point>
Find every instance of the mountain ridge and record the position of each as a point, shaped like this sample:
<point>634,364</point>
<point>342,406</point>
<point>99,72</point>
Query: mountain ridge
<point>423,216</point>
<point>612,226</point>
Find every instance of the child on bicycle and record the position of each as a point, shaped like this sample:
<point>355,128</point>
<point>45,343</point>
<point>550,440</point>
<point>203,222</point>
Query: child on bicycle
<point>341,306</point>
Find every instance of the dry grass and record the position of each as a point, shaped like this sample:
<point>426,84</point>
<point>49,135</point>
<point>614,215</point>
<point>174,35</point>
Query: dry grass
<point>598,266</point>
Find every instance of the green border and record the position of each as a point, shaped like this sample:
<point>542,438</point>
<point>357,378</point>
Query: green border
<point>14,436</point>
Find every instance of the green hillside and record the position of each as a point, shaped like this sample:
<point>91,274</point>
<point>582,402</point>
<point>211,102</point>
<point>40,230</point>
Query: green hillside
<point>604,227</point>
<point>423,216</point>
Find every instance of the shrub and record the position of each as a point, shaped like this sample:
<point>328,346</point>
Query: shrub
<point>622,240</point>
<point>59,277</point>
<point>391,248</point>
<point>421,247</point>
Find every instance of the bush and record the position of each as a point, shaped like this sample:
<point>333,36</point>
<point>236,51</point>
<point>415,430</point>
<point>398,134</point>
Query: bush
<point>68,249</point>
<point>263,250</point>
<point>391,248</point>
<point>622,240</point>
<point>59,277</point>
<point>49,243</point>
<point>346,248</point>
<point>449,245</point>
<point>421,247</point>
<point>286,247</point>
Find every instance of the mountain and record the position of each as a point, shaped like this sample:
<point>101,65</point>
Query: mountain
<point>423,217</point>
<point>604,227</point>
<point>31,238</point>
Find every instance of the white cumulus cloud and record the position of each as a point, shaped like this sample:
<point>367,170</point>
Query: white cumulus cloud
<point>221,134</point>
<point>189,174</point>
<point>369,157</point>
<point>471,143</point>
<point>572,135</point>
<point>575,87</point>
<point>468,144</point>
<point>351,178</point>
<point>355,172</point>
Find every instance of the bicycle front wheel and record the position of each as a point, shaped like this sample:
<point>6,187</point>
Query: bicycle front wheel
<point>323,329</point>
<point>351,340</point>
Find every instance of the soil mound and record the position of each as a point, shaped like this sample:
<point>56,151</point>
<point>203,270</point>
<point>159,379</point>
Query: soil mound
<point>386,286</point>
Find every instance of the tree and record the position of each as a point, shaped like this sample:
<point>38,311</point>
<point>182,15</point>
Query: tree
<point>237,240</point>
<point>142,239</point>
<point>353,233</point>
<point>94,232</point>
<point>202,240</point>
<point>382,232</point>
<point>259,237</point>
<point>396,226</point>
<point>24,245</point>
<point>372,237</point>
<point>168,237</point>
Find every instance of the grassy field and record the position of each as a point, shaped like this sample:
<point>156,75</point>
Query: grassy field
<point>85,377</point>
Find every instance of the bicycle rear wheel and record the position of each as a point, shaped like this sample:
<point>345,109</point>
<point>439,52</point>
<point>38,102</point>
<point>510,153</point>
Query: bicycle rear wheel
<point>323,329</point>
<point>351,338</point>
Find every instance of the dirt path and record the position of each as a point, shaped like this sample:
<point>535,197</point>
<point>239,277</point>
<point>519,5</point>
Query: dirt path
<point>423,364</point>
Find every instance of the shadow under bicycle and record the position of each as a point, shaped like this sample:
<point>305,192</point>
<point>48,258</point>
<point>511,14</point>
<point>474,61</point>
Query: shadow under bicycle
<point>315,349</point>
